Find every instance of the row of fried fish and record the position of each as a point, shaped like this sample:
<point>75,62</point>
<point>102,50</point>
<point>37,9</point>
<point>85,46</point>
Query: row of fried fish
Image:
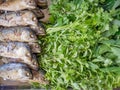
<point>18,39</point>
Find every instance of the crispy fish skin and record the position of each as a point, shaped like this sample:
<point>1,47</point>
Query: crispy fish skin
<point>16,5</point>
<point>15,50</point>
<point>20,72</point>
<point>33,64</point>
<point>21,18</point>
<point>21,34</point>
<point>15,71</point>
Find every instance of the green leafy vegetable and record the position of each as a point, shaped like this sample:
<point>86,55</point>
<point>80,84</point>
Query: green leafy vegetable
<point>82,47</point>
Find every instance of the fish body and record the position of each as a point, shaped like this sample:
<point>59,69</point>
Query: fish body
<point>21,18</point>
<point>15,50</point>
<point>21,34</point>
<point>33,64</point>
<point>15,71</point>
<point>17,5</point>
<point>34,47</point>
<point>20,72</point>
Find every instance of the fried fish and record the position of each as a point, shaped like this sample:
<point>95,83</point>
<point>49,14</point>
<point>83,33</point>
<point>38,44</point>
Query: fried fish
<point>15,50</point>
<point>15,71</point>
<point>20,72</point>
<point>33,64</point>
<point>21,34</point>
<point>21,18</point>
<point>16,5</point>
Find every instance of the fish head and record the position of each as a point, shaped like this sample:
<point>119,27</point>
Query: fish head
<point>39,29</point>
<point>34,63</point>
<point>25,74</point>
<point>29,36</point>
<point>35,47</point>
<point>31,3</point>
<point>39,77</point>
<point>32,37</point>
<point>38,13</point>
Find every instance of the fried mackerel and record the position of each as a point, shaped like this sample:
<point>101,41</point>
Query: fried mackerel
<point>16,5</point>
<point>35,47</point>
<point>20,72</point>
<point>21,18</point>
<point>20,34</point>
<point>15,71</point>
<point>33,64</point>
<point>17,50</point>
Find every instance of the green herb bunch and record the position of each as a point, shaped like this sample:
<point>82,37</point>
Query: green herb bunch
<point>82,47</point>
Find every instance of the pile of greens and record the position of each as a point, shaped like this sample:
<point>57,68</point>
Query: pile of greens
<point>82,47</point>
